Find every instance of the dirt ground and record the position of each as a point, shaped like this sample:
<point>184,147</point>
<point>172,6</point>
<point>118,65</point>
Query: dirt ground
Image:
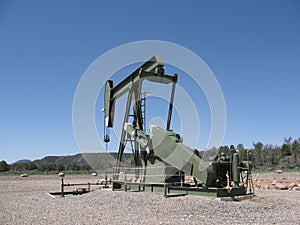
<point>25,200</point>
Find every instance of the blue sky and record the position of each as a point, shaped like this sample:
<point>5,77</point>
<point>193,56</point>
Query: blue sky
<point>252,47</point>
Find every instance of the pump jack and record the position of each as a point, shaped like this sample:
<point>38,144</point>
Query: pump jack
<point>165,149</point>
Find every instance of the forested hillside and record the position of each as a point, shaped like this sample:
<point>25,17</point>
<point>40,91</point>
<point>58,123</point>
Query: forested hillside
<point>263,157</point>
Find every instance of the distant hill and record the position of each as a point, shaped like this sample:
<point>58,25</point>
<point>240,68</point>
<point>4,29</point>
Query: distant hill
<point>61,159</point>
<point>22,161</point>
<point>96,160</point>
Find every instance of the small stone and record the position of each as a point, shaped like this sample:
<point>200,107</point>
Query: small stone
<point>292,185</point>
<point>278,171</point>
<point>24,175</point>
<point>280,186</point>
<point>274,182</point>
<point>296,189</point>
<point>61,174</point>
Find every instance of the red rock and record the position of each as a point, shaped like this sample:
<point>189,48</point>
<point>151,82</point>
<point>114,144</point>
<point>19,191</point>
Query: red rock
<point>274,182</point>
<point>281,186</point>
<point>292,185</point>
<point>296,189</point>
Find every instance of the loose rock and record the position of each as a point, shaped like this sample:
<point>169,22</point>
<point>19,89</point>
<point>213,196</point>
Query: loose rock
<point>281,186</point>
<point>274,182</point>
<point>61,174</point>
<point>26,201</point>
<point>292,185</point>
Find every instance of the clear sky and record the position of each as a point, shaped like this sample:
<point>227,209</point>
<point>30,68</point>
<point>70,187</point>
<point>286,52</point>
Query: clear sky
<point>252,47</point>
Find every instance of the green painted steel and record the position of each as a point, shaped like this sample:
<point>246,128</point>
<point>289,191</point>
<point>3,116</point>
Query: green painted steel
<point>178,190</point>
<point>168,146</point>
<point>108,105</point>
<point>162,160</point>
<point>152,70</point>
<point>235,169</point>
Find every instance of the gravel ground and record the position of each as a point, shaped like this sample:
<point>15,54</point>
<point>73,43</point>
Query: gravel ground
<point>26,201</point>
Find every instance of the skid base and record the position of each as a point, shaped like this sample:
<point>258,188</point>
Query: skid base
<point>173,190</point>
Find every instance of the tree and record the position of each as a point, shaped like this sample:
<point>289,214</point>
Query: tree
<point>257,153</point>
<point>240,147</point>
<point>244,154</point>
<point>74,167</point>
<point>258,146</point>
<point>197,153</point>
<point>285,150</point>
<point>269,155</point>
<point>295,149</point>
<point>47,167</point>
<point>86,168</point>
<point>211,154</point>
<point>4,166</point>
<point>60,167</point>
<point>30,166</point>
<point>224,149</point>
<point>288,141</point>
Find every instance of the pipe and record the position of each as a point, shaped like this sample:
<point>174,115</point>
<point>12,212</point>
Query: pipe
<point>235,169</point>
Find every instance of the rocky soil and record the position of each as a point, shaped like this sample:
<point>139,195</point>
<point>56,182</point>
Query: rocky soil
<point>25,200</point>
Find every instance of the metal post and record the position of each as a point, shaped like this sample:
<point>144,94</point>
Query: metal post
<point>125,185</point>
<point>62,187</point>
<point>165,184</point>
<point>181,178</point>
<point>171,102</point>
<point>105,185</point>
